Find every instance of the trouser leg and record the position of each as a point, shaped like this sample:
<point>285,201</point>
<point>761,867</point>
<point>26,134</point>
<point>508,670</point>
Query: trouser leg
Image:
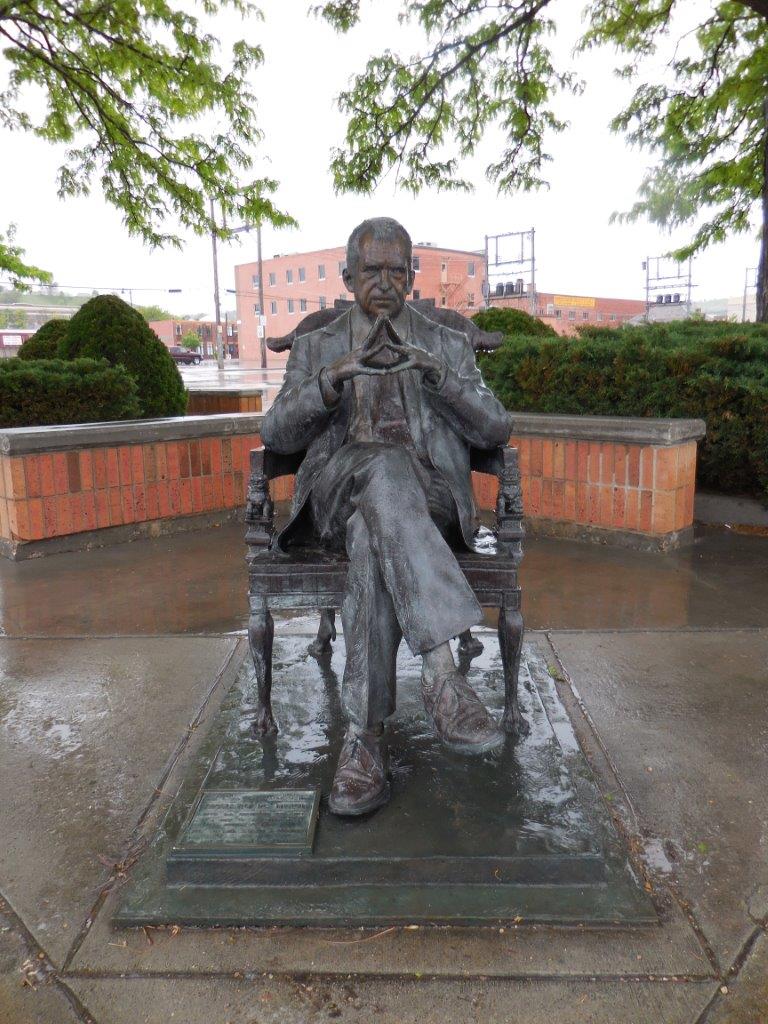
<point>403,576</point>
<point>371,631</point>
<point>432,600</point>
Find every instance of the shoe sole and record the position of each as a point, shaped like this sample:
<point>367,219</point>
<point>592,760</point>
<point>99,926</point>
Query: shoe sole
<point>379,800</point>
<point>470,748</point>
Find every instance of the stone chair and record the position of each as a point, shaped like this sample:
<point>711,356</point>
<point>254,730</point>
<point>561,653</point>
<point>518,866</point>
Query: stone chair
<point>313,578</point>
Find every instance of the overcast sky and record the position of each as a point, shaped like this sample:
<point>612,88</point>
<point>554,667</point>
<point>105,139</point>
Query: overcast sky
<point>578,252</point>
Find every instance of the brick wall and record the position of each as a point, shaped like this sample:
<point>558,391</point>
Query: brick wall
<point>640,489</point>
<point>56,482</point>
<point>212,403</point>
<point>52,495</point>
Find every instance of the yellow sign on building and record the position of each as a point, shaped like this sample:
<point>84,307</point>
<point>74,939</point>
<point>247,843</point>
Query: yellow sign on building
<point>580,301</point>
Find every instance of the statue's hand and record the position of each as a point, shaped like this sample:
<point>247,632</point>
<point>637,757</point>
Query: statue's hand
<point>430,366</point>
<point>360,360</point>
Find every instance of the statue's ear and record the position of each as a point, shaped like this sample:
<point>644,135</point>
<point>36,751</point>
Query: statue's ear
<point>346,277</point>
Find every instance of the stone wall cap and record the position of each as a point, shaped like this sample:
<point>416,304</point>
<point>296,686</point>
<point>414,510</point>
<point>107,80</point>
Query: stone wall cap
<point>621,429</point>
<point>63,437</point>
<point>230,392</point>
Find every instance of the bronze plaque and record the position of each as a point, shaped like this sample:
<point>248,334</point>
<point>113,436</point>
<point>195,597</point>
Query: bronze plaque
<point>251,823</point>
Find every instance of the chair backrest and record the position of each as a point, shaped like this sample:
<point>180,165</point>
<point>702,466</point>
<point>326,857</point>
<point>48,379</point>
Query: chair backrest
<point>481,460</point>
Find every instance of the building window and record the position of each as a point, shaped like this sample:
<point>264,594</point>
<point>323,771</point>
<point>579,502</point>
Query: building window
<point>302,274</point>
<point>342,298</point>
<point>290,305</point>
<point>416,294</point>
<point>255,281</point>
<point>470,298</point>
<point>273,279</point>
<point>302,305</point>
<point>550,309</point>
<point>322,302</point>
<point>585,315</point>
<point>599,315</point>
<point>321,272</point>
<point>613,316</point>
<point>571,314</point>
<point>178,330</point>
<point>289,277</point>
<point>416,263</point>
<point>273,307</point>
<point>341,267</point>
<point>257,309</point>
<point>443,301</point>
<point>470,269</point>
<point>558,314</point>
<point>443,267</point>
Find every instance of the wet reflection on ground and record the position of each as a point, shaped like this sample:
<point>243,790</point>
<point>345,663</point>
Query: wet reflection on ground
<point>463,839</point>
<point>521,800</point>
<point>196,583</point>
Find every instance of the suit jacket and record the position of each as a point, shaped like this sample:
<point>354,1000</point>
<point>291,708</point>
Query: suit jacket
<point>460,414</point>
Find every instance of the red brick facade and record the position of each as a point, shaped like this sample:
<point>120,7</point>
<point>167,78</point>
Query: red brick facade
<point>170,332</point>
<point>567,312</point>
<point>301,283</point>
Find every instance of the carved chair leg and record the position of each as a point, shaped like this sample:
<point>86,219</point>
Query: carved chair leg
<point>510,644</point>
<point>469,644</point>
<point>326,633</point>
<point>261,629</point>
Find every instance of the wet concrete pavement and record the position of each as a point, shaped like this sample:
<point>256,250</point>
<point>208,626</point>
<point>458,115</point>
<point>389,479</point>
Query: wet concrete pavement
<point>195,583</point>
<point>663,665</point>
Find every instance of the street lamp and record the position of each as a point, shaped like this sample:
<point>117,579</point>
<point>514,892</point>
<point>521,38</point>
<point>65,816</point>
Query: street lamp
<point>216,302</point>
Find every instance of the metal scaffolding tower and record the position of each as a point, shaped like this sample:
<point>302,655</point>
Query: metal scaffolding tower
<point>513,252</point>
<point>667,282</point>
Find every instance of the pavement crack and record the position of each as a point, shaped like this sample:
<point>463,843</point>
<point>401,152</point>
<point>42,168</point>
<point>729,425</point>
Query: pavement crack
<point>39,969</point>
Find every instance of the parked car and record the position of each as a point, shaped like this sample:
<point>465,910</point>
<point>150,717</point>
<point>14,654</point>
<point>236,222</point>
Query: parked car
<point>184,355</point>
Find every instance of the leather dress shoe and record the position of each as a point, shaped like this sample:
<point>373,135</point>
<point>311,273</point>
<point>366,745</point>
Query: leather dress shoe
<point>460,718</point>
<point>360,784</point>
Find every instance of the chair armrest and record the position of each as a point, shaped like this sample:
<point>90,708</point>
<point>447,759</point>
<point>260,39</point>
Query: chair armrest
<point>509,505</point>
<point>259,507</point>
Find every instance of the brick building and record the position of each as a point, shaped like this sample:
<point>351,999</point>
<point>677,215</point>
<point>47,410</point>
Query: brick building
<point>11,340</point>
<point>170,332</point>
<point>301,283</point>
<point>567,312</point>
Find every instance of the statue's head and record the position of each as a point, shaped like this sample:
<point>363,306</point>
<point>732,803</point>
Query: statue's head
<point>379,266</point>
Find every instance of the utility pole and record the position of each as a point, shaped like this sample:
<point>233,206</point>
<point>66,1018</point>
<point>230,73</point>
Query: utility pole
<point>216,304</point>
<point>262,311</point>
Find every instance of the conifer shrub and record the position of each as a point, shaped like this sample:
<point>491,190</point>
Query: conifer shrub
<point>108,328</point>
<point>512,321</point>
<point>44,343</point>
<point>717,372</point>
<point>41,392</point>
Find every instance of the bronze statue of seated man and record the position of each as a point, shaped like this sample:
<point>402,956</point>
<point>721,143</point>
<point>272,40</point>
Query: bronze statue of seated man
<point>387,404</point>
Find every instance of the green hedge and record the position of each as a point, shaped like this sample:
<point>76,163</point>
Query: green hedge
<point>44,343</point>
<point>108,328</point>
<point>717,372</point>
<point>513,321</point>
<point>45,391</point>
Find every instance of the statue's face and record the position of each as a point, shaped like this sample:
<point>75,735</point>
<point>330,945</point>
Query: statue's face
<point>382,278</point>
